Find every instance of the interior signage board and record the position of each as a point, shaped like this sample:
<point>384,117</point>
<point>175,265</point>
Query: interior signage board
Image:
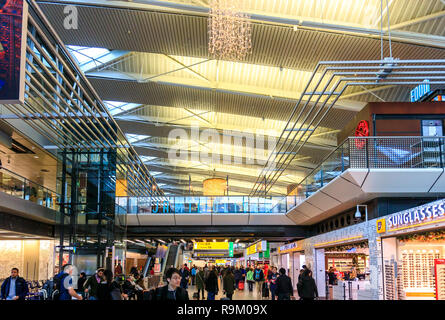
<point>419,91</point>
<point>429,212</point>
<point>13,29</point>
<point>257,247</point>
<point>211,246</point>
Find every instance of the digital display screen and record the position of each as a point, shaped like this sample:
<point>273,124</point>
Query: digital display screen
<point>12,50</point>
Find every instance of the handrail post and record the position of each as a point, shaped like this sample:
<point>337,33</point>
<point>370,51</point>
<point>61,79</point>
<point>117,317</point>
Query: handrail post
<point>367,153</point>
<point>342,158</point>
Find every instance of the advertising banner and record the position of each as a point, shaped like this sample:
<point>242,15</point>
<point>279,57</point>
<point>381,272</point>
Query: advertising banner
<point>13,28</point>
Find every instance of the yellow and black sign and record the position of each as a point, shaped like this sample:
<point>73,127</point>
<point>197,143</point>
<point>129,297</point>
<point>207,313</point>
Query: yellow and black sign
<point>381,225</point>
<point>220,261</point>
<point>211,246</point>
<point>210,254</point>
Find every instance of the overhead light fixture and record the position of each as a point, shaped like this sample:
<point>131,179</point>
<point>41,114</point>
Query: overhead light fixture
<point>162,241</point>
<point>237,240</point>
<point>183,241</point>
<point>214,240</point>
<point>230,30</point>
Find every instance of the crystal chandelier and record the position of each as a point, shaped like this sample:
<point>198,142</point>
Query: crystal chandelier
<point>230,30</point>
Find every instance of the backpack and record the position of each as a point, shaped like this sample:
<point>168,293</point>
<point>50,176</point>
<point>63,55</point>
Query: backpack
<point>257,274</point>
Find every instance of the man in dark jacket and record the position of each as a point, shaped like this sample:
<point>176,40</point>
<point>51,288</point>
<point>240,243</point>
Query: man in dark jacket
<point>229,283</point>
<point>272,279</point>
<point>306,286</point>
<point>212,284</point>
<point>14,287</point>
<point>284,289</point>
<point>185,274</point>
<point>200,282</point>
<point>238,276</point>
<point>172,291</point>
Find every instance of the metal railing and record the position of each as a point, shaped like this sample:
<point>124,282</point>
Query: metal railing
<point>371,153</point>
<point>20,187</point>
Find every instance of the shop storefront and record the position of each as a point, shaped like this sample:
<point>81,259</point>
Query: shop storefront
<point>413,246</point>
<point>257,254</point>
<point>292,260</point>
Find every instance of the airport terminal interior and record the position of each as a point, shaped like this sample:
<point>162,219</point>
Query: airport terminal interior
<point>223,149</point>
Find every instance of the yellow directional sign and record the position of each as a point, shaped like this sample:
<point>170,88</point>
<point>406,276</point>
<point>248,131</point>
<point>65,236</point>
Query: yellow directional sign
<point>211,246</point>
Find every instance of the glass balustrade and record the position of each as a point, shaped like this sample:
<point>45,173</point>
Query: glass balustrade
<point>20,187</point>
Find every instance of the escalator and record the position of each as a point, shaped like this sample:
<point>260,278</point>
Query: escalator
<point>172,255</point>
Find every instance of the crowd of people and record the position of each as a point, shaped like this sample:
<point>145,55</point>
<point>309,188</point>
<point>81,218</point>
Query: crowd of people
<point>103,285</point>
<point>268,282</point>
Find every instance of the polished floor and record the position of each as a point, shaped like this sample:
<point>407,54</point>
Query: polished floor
<point>237,295</point>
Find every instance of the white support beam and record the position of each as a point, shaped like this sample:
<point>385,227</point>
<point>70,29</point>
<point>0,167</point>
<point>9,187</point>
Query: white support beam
<point>411,22</point>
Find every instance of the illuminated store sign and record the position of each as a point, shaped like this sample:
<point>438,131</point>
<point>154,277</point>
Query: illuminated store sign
<point>431,211</point>
<point>13,26</point>
<point>288,247</point>
<point>257,247</point>
<point>211,246</point>
<point>419,91</point>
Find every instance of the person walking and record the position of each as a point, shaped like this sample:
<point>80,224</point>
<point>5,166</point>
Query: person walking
<point>193,274</point>
<point>92,284</point>
<point>108,289</point>
<point>249,278</point>
<point>229,283</point>
<point>200,282</point>
<point>80,282</point>
<point>172,291</point>
<point>14,287</point>
<point>118,269</point>
<point>211,284</point>
<point>243,273</point>
<point>332,276</point>
<point>307,286</point>
<point>284,289</point>
<point>238,277</point>
<point>259,279</point>
<point>272,279</point>
<point>185,275</point>
<point>65,284</point>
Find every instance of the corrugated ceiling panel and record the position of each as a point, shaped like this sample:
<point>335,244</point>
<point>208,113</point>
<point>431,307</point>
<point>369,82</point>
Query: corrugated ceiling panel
<point>187,36</point>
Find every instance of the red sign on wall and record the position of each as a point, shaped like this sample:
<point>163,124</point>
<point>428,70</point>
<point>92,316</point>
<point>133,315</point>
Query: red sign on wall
<point>362,130</point>
<point>13,28</point>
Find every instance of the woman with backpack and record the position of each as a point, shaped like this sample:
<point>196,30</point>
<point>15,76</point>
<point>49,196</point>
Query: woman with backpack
<point>259,279</point>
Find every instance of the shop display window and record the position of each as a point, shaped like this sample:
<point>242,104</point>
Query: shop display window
<point>417,256</point>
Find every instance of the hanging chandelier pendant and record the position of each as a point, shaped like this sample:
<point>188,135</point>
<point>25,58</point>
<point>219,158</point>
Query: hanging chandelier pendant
<point>230,30</point>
